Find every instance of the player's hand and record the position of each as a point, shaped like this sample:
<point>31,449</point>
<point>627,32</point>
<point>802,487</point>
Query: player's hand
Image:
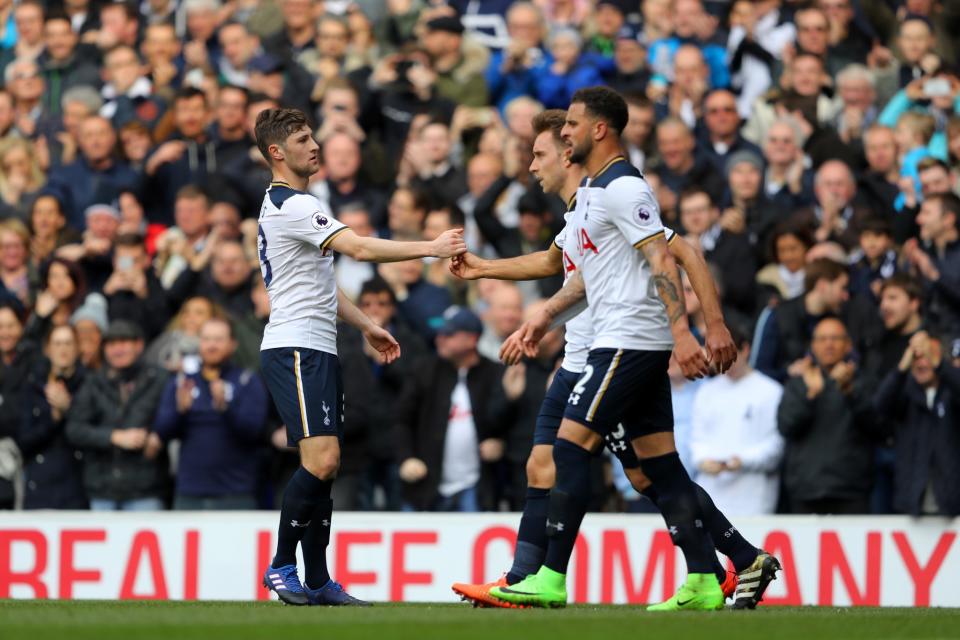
<point>511,352</point>
<point>385,344</point>
<point>448,244</point>
<point>413,470</point>
<point>466,266</point>
<point>813,379</point>
<point>690,357</point>
<point>532,332</point>
<point>721,351</point>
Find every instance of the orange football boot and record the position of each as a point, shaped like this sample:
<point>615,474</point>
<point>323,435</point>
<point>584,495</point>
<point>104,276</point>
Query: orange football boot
<point>729,586</point>
<point>479,594</point>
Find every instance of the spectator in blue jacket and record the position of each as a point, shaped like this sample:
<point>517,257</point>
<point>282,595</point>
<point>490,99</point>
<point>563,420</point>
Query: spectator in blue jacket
<point>96,177</point>
<point>690,18</point>
<point>569,71</point>
<point>513,71</point>
<point>218,413</point>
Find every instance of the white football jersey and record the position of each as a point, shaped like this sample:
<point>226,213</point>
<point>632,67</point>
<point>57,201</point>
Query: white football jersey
<point>294,232</point>
<point>579,329</point>
<point>615,215</point>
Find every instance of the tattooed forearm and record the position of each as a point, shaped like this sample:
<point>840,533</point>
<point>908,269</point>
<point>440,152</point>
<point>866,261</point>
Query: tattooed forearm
<point>670,296</point>
<point>667,280</point>
<point>572,292</point>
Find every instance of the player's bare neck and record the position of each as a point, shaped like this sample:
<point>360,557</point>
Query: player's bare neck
<point>600,157</point>
<point>289,178</point>
<point>572,182</point>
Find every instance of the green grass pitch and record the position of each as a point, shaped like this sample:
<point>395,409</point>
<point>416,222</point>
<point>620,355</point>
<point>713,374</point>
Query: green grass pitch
<point>37,620</point>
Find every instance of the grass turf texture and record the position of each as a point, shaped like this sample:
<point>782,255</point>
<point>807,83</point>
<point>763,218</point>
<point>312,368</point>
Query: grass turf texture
<point>36,620</point>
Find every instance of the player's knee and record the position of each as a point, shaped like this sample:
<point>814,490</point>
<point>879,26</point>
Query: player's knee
<point>541,472</point>
<point>324,465</point>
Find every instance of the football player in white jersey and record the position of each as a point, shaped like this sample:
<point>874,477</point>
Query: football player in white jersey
<point>296,239</point>
<point>623,266</point>
<point>557,176</point>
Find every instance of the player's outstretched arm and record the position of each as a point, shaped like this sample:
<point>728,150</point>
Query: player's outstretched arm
<point>663,268</point>
<point>448,244</point>
<point>720,348</point>
<point>378,337</point>
<point>528,336</point>
<point>532,266</point>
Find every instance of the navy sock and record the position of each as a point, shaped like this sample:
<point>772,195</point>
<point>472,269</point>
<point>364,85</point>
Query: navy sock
<point>314,545</point>
<point>300,499</point>
<point>531,537</point>
<point>677,501</point>
<point>568,502</point>
<point>725,536</point>
<point>718,568</point>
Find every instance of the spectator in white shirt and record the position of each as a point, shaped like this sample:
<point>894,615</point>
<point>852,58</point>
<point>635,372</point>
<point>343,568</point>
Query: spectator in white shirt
<point>734,440</point>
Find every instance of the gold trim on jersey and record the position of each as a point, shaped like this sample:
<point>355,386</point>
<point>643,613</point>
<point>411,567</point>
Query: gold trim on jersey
<point>572,202</point>
<point>603,385</point>
<point>326,243</point>
<point>641,243</point>
<point>672,238</point>
<point>280,183</point>
<point>300,400</point>
<point>609,164</point>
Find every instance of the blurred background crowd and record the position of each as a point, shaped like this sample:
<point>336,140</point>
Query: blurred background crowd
<point>809,149</point>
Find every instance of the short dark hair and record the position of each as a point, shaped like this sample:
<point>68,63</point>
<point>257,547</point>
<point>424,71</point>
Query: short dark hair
<point>822,269</point>
<point>129,240</point>
<point>637,99</point>
<point>695,190</point>
<point>606,104</point>
<point>550,120</point>
<point>375,286</point>
<point>130,11</point>
<point>950,203</point>
<point>457,217</point>
<point>192,192</point>
<point>274,126</point>
<point>902,280</point>
<point>242,90</point>
<point>877,226</point>
<point>931,163</point>
<point>188,93</point>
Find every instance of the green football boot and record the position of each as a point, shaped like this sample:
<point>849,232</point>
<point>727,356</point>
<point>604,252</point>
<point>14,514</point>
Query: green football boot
<point>546,588</point>
<point>701,592</point>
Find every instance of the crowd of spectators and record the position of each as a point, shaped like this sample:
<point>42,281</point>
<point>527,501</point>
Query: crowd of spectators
<point>810,150</point>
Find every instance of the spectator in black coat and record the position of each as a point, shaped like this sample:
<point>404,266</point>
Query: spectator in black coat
<point>901,297</point>
<point>746,206</point>
<point>875,261</point>
<point>110,421</point>
<point>785,330</point>
<point>448,422</point>
<point>227,281</point>
<point>937,259</point>
<point>825,417</point>
<point>730,252</point>
<point>64,63</point>
<point>52,466</point>
<point>133,292</point>
<point>922,396</point>
<point>630,73</point>
<point>680,166</point>
<point>218,414</point>
<point>17,359</point>
<point>371,391</point>
<point>430,157</point>
<point>524,386</point>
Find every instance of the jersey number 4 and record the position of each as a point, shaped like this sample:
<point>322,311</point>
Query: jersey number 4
<point>265,270</point>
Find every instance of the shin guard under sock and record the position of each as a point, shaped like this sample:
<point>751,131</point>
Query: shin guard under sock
<point>568,502</point>
<point>677,501</point>
<point>531,537</point>
<point>718,568</point>
<point>301,497</point>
